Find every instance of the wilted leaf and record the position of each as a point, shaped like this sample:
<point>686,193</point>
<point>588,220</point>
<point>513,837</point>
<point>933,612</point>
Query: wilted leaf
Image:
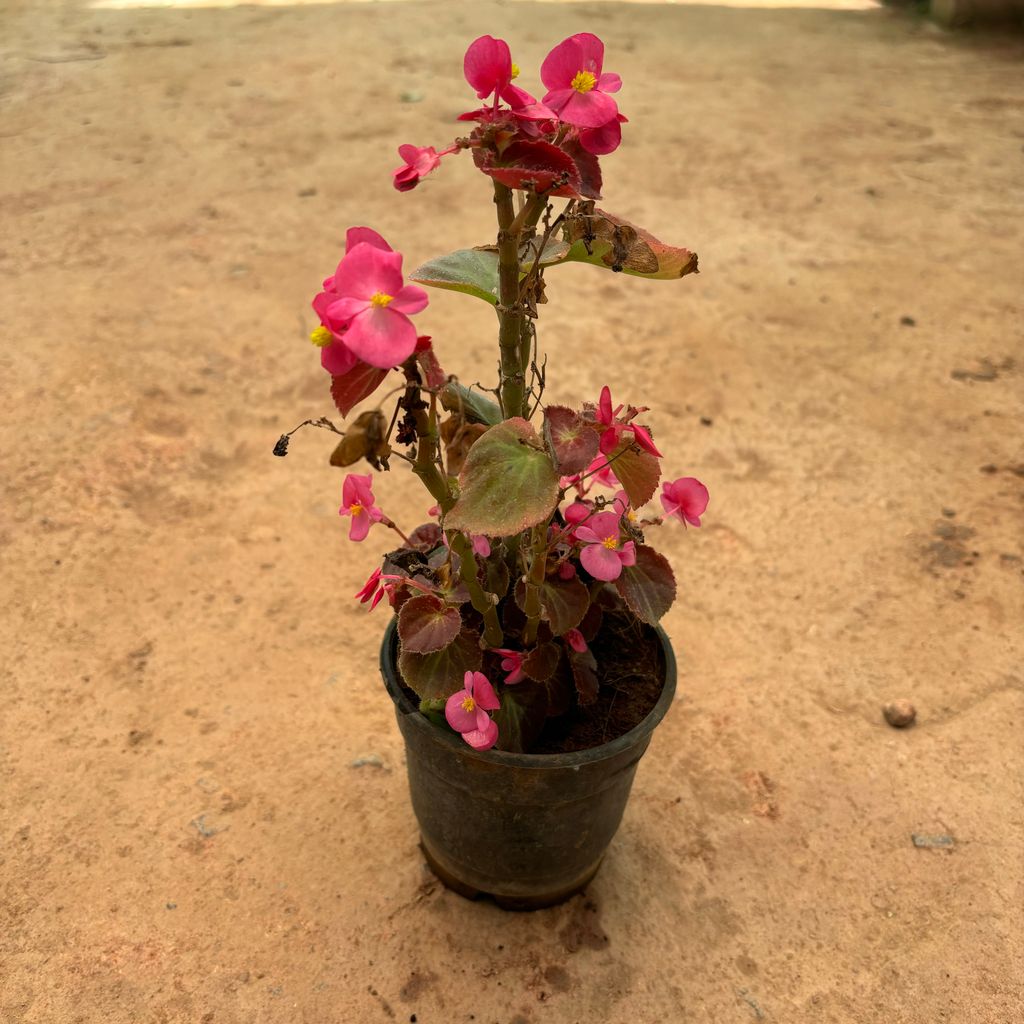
<point>587,166</point>
<point>349,389</point>
<point>649,587</point>
<point>523,711</point>
<point>439,675</point>
<point>456,397</point>
<point>637,471</point>
<point>584,674</point>
<point>364,439</point>
<point>611,242</point>
<point>458,437</point>
<point>573,441</point>
<point>433,375</point>
<point>508,483</point>
<point>426,624</point>
<point>473,271</point>
<point>541,662</point>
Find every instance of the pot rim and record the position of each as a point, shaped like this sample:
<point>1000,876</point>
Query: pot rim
<point>574,759</point>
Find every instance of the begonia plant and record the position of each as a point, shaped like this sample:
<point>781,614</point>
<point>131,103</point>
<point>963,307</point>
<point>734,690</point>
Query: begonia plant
<point>538,526</point>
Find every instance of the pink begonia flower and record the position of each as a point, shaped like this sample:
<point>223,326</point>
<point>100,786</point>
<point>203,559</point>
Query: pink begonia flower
<point>512,663</point>
<point>566,571</point>
<point>357,502</point>
<point>574,638</point>
<point>604,140</point>
<point>602,473</point>
<point>577,89</point>
<point>603,555</point>
<point>419,162</point>
<point>488,66</point>
<point>335,357</point>
<point>481,545</point>
<point>608,417</point>
<point>574,514</point>
<point>374,589</point>
<point>685,498</point>
<point>466,711</point>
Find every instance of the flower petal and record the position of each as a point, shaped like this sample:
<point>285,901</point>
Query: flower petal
<point>360,525</point>
<point>366,270</point>
<point>487,65</point>
<point>484,693</point>
<point>381,337</point>
<point>356,235</point>
<point>341,311</point>
<point>458,717</point>
<point>587,109</point>
<point>609,82</point>
<point>561,64</point>
<point>409,299</point>
<point>602,563</point>
<point>627,553</point>
<point>482,739</point>
<point>336,358</point>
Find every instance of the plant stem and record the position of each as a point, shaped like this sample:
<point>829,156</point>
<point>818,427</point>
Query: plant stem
<point>510,310</point>
<point>538,564</point>
<point>425,464</point>
<point>481,601</point>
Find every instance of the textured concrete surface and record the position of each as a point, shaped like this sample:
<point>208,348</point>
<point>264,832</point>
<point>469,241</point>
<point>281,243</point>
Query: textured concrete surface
<point>187,682</point>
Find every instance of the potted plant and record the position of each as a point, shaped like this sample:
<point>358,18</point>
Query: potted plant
<point>524,658</point>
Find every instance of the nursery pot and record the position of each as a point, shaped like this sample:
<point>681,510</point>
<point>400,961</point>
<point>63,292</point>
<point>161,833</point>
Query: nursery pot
<point>529,830</point>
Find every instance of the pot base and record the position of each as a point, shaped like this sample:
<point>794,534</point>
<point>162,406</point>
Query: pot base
<point>536,902</point>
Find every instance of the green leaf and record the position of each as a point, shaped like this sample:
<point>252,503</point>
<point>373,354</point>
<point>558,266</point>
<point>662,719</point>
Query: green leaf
<point>439,675</point>
<point>508,483</point>
<point>572,440</point>
<point>426,624</point>
<point>473,271</point>
<point>649,587</point>
<point>523,711</point>
<point>456,397</point>
<point>613,243</point>
<point>637,471</point>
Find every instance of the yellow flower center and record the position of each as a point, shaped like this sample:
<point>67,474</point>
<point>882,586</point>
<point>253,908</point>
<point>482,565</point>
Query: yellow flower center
<point>611,543</point>
<point>321,337</point>
<point>515,70</point>
<point>468,704</point>
<point>584,81</point>
<point>631,515</point>
<point>355,509</point>
<point>380,300</point>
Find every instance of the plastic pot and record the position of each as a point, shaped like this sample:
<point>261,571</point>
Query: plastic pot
<point>529,830</point>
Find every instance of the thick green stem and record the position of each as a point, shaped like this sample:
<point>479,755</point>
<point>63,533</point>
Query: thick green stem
<point>425,464</point>
<point>510,309</point>
<point>479,598</point>
<point>538,564</point>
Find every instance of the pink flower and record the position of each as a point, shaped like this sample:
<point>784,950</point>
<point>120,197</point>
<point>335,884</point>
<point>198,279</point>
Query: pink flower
<point>574,638</point>
<point>419,162</point>
<point>603,555</point>
<point>466,711</point>
<point>512,663</point>
<point>357,502</point>
<point>602,473</point>
<point>373,588</point>
<point>488,66</point>
<point>603,140</point>
<point>574,514</point>
<point>481,545</point>
<point>365,307</point>
<point>608,417</point>
<point>335,357</point>
<point>685,498</point>
<point>566,571</point>
<point>577,89</point>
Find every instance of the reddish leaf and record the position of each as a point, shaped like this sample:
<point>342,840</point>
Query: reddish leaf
<point>541,662</point>
<point>432,372</point>
<point>584,674</point>
<point>537,165</point>
<point>564,603</point>
<point>349,389</point>
<point>438,675</point>
<point>425,538</point>
<point>649,587</point>
<point>587,167</point>
<point>426,624</point>
<point>637,471</point>
<point>573,442</point>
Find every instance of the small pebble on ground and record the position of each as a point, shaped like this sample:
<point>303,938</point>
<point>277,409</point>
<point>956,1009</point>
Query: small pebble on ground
<point>900,714</point>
